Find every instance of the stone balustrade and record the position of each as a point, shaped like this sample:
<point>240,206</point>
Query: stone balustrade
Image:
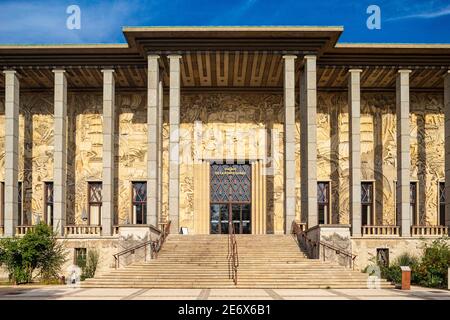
<point>83,230</point>
<point>22,230</point>
<point>437,231</point>
<point>380,231</point>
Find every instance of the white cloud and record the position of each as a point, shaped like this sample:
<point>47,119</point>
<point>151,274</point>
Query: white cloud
<point>45,21</point>
<point>440,12</point>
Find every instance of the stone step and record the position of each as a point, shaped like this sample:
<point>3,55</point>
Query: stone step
<point>202,261</point>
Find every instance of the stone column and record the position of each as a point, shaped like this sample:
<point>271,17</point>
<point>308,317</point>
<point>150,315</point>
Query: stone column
<point>153,137</point>
<point>354,100</point>
<point>109,107</point>
<point>174,139</point>
<point>60,152</point>
<point>447,147</point>
<point>403,153</point>
<point>11,152</point>
<point>160,147</point>
<point>308,126</point>
<point>289,141</point>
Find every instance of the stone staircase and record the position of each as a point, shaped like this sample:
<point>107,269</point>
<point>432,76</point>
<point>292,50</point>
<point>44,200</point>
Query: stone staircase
<point>200,261</point>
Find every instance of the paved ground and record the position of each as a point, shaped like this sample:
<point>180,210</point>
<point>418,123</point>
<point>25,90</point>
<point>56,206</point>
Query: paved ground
<point>70,293</point>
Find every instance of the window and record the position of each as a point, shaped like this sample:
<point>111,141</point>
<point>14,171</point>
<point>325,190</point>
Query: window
<point>441,204</point>
<point>80,257</point>
<point>48,202</point>
<point>366,203</point>
<point>383,257</point>
<point>19,204</point>
<point>413,203</point>
<point>2,203</point>
<point>95,203</point>
<point>323,202</point>
<point>139,202</point>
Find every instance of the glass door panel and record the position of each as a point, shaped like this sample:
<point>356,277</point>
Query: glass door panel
<point>224,218</point>
<point>246,214</point>
<point>236,215</point>
<point>215,216</point>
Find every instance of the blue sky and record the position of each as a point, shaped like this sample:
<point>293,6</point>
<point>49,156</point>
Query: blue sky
<point>408,21</point>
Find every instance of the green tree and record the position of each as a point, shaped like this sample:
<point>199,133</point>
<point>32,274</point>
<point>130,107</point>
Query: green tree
<point>38,253</point>
<point>433,269</point>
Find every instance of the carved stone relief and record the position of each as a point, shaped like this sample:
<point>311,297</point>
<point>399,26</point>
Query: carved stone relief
<point>227,116</point>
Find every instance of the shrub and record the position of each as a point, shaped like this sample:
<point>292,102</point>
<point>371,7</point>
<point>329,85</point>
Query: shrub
<point>38,252</point>
<point>433,269</point>
<point>89,266</point>
<point>393,272</point>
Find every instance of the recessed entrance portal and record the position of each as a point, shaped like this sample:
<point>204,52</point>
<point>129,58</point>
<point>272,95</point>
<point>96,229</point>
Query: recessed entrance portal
<point>230,198</point>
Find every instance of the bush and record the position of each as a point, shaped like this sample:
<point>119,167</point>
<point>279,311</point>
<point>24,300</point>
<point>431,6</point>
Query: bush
<point>393,272</point>
<point>89,266</point>
<point>433,270</point>
<point>36,253</point>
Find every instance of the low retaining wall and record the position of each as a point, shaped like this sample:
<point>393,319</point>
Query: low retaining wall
<point>366,248</point>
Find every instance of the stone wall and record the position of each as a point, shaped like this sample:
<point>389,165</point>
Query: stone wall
<point>228,114</point>
<point>366,248</point>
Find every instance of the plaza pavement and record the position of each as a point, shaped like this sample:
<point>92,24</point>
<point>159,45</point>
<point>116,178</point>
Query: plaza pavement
<point>74,293</point>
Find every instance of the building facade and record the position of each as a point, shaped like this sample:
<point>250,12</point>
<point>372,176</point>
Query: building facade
<point>260,126</point>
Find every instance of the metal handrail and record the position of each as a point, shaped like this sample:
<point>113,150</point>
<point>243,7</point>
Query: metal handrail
<point>233,257</point>
<point>339,251</point>
<point>155,245</point>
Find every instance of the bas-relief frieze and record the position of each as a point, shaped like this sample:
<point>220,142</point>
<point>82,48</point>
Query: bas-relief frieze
<point>35,151</point>
<point>130,144</point>
<point>378,151</point>
<point>239,112</point>
<point>131,149</point>
<point>233,119</point>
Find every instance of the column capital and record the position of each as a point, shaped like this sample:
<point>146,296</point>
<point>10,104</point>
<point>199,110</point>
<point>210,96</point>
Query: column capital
<point>153,56</point>
<point>310,56</point>
<point>289,56</point>
<point>354,70</point>
<point>9,71</point>
<point>59,70</point>
<point>174,56</point>
<point>108,70</point>
<point>404,71</point>
<point>447,74</point>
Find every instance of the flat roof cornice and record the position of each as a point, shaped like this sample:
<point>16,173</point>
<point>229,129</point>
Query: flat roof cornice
<point>392,45</point>
<point>66,46</point>
<point>230,28</point>
<point>301,40</point>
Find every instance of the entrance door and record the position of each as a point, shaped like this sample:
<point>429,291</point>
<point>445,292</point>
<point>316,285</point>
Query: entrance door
<point>230,198</point>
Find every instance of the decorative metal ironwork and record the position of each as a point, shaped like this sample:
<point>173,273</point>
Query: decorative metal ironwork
<point>49,193</point>
<point>383,257</point>
<point>48,202</point>
<point>22,217</point>
<point>366,193</point>
<point>139,202</point>
<point>95,192</point>
<point>323,192</point>
<point>442,192</point>
<point>19,189</point>
<point>139,192</point>
<point>230,183</point>
<point>412,192</point>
